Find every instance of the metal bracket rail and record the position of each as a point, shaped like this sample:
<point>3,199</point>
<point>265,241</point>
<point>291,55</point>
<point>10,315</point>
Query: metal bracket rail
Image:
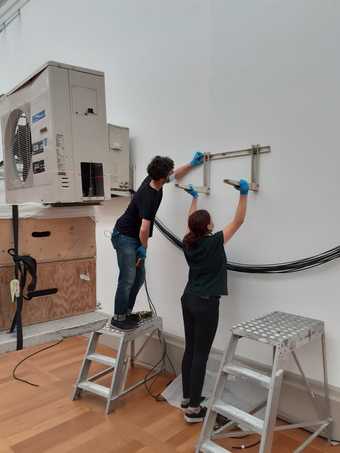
<point>254,152</point>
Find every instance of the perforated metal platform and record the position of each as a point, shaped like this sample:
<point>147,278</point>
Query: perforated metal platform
<point>281,329</point>
<point>155,322</point>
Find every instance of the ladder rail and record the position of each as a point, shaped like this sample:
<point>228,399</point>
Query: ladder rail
<point>326,387</point>
<point>221,379</point>
<point>272,403</point>
<point>85,366</point>
<point>117,373</point>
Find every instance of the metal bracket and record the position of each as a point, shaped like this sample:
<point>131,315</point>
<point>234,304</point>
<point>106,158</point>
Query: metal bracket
<point>254,152</point>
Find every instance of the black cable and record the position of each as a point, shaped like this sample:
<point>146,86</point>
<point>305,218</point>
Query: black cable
<point>151,305</point>
<point>276,268</point>
<point>165,355</point>
<point>29,356</point>
<point>151,370</point>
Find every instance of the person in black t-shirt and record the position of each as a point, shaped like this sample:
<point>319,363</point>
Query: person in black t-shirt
<point>133,230</point>
<point>205,255</point>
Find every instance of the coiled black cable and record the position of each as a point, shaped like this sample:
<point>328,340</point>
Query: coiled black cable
<point>276,268</point>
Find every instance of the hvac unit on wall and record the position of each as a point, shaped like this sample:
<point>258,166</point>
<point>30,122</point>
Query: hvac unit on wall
<point>55,138</point>
<point>122,172</point>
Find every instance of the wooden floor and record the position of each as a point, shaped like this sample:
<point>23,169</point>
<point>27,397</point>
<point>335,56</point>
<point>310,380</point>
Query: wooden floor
<point>44,419</point>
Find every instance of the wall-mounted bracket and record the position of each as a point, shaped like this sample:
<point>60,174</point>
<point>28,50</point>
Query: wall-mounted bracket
<point>254,152</point>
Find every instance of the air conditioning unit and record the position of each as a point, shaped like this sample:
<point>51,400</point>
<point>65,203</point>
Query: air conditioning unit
<point>55,139</point>
<point>119,150</point>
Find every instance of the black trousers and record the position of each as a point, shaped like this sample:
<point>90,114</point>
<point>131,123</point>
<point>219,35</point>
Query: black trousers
<point>200,324</point>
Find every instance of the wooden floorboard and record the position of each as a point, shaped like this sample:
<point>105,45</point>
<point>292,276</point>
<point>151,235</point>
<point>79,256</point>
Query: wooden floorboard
<point>44,419</point>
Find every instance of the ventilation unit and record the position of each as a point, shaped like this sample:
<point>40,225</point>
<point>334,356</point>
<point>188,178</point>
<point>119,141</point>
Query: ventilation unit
<point>54,135</point>
<point>121,179</point>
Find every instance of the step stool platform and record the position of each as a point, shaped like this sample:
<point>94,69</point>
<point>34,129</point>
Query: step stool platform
<point>117,366</point>
<point>278,328</point>
<point>148,324</point>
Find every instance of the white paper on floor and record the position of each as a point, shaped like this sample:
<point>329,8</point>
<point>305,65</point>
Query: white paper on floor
<point>239,392</point>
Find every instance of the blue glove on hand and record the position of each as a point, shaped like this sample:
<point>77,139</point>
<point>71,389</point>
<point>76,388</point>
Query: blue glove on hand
<point>141,252</point>
<point>192,191</point>
<point>244,187</point>
<point>198,159</point>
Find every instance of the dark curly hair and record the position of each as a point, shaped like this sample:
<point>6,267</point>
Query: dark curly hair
<point>198,227</point>
<point>160,167</point>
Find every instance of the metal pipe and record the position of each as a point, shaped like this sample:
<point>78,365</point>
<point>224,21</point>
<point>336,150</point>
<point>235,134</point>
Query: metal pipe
<point>239,153</point>
<point>309,388</point>
<point>144,344</point>
<point>101,374</point>
<point>137,384</point>
<point>311,438</point>
<point>300,425</point>
<point>233,434</point>
<point>326,388</point>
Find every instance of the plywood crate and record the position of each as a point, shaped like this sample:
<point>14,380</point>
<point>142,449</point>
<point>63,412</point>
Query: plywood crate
<point>66,261</point>
<point>69,238</point>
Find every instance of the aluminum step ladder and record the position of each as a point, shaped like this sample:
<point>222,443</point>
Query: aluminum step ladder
<point>285,333</point>
<point>119,365</point>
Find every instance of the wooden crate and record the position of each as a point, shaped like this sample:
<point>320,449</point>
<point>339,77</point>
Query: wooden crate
<point>69,238</point>
<point>76,283</point>
<point>66,260</point>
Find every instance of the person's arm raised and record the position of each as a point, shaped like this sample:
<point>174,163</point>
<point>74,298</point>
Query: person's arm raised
<point>181,171</point>
<point>240,214</point>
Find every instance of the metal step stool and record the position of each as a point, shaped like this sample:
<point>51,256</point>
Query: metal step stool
<point>285,333</point>
<point>119,365</point>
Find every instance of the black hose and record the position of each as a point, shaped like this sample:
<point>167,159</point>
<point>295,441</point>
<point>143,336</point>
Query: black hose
<point>275,268</point>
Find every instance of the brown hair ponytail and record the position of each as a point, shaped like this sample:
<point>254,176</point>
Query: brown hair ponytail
<point>198,227</point>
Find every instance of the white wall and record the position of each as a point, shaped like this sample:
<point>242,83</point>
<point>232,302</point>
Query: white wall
<point>216,75</point>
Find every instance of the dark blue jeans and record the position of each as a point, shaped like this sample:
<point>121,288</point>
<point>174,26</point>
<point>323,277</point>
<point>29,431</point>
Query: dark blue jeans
<point>131,278</point>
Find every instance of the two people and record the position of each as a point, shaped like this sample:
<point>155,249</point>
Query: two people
<point>206,258</point>
<point>134,229</point>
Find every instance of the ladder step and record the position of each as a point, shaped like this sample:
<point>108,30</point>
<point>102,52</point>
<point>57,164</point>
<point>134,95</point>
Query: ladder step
<point>95,388</point>
<point>104,359</point>
<point>210,447</point>
<point>237,415</point>
<point>237,370</point>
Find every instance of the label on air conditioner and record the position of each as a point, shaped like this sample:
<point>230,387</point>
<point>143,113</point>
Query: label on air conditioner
<point>61,160</point>
<point>38,116</point>
<point>39,166</point>
<point>39,147</point>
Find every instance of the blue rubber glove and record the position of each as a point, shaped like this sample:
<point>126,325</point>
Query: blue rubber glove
<point>141,252</point>
<point>244,187</point>
<point>198,159</point>
<point>192,191</point>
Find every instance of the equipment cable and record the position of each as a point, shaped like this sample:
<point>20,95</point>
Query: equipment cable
<point>165,355</point>
<point>28,357</point>
<point>275,268</point>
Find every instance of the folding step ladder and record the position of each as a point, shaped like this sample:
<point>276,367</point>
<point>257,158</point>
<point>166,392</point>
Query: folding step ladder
<point>285,333</point>
<point>119,365</point>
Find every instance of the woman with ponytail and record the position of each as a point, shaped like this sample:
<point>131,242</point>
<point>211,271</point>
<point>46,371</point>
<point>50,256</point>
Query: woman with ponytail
<point>207,282</point>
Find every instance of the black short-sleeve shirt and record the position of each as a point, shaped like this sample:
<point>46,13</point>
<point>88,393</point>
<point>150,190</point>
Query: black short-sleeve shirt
<point>144,205</point>
<point>207,266</point>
